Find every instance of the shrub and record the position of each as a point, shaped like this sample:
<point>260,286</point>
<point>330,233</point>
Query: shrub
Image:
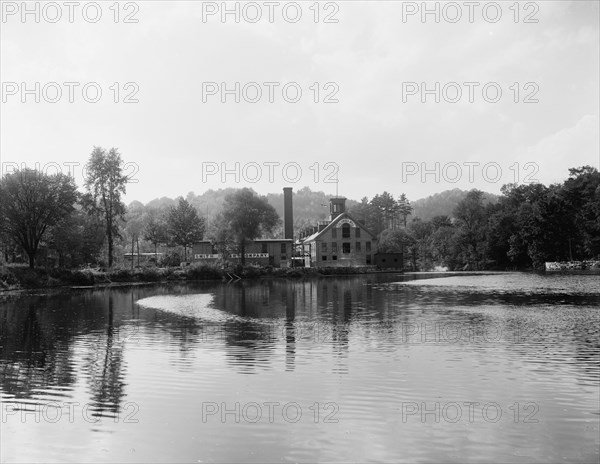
<point>198,271</point>
<point>171,260</point>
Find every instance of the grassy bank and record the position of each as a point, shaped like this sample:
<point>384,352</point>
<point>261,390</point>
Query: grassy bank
<point>21,277</point>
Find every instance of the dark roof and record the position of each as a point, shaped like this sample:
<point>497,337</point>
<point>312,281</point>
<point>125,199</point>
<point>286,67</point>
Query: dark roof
<point>272,240</point>
<point>257,240</point>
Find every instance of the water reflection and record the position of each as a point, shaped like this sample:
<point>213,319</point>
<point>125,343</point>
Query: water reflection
<point>365,342</point>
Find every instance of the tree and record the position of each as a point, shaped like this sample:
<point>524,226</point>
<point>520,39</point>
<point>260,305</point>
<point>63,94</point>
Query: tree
<point>105,182</point>
<point>220,234</point>
<point>77,239</point>
<point>248,216</point>
<point>185,226</point>
<point>134,223</point>
<point>388,209</point>
<point>404,208</point>
<point>581,194</point>
<point>368,213</point>
<point>471,219</point>
<point>443,242</point>
<point>155,230</point>
<point>31,202</point>
<point>394,241</point>
<point>419,251</point>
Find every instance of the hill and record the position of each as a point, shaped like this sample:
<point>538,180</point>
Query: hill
<point>312,206</point>
<point>443,203</point>
<point>309,206</point>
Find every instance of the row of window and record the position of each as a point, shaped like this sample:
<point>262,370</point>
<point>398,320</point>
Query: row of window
<point>346,231</point>
<point>334,258</point>
<point>346,247</point>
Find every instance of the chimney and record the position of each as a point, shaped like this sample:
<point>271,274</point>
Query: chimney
<point>288,214</point>
<point>337,206</point>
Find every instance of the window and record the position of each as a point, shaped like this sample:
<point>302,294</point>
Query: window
<point>345,248</point>
<point>334,247</point>
<point>346,231</point>
<point>334,233</point>
<point>324,247</point>
<point>358,248</point>
<point>264,248</point>
<point>283,249</point>
<point>368,247</point>
<point>368,259</point>
<point>323,258</point>
<point>334,258</point>
<point>357,232</point>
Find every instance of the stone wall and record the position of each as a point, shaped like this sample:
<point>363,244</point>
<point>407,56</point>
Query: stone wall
<point>573,266</point>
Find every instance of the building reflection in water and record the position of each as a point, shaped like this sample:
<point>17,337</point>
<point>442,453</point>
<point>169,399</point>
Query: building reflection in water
<point>290,329</point>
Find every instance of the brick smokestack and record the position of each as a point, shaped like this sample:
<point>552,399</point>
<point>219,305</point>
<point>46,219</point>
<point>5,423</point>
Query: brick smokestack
<point>288,214</point>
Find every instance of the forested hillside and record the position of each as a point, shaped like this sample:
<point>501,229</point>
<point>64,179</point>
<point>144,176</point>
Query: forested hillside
<point>444,203</point>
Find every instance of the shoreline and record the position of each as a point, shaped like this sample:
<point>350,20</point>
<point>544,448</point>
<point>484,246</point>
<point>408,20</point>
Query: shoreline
<point>48,282</point>
<point>19,279</point>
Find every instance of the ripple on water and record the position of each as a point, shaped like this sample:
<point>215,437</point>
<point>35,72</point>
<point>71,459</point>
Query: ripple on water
<point>515,282</point>
<point>196,306</point>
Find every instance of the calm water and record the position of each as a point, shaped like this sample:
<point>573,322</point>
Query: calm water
<point>445,368</point>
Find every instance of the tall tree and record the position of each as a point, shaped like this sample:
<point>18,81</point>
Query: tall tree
<point>135,221</point>
<point>388,209</point>
<point>471,219</point>
<point>369,214</point>
<point>31,202</point>
<point>248,216</point>
<point>404,208</point>
<point>105,183</point>
<point>581,194</point>
<point>185,226</point>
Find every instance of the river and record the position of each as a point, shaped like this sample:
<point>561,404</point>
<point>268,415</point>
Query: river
<point>500,367</point>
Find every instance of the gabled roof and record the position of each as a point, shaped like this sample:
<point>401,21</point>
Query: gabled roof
<point>344,215</point>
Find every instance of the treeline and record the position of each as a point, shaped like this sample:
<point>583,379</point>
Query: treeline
<point>47,220</point>
<point>527,226</point>
<point>444,203</point>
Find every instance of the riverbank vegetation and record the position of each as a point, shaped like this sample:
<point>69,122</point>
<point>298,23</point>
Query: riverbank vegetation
<point>526,226</point>
<point>21,277</point>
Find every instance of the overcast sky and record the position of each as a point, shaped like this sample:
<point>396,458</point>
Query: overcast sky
<point>376,132</point>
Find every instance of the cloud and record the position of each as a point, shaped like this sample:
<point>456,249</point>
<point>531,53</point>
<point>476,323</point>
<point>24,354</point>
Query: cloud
<point>573,146</point>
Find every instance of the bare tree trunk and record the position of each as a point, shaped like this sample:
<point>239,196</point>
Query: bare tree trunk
<point>132,242</point>
<point>110,246</point>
